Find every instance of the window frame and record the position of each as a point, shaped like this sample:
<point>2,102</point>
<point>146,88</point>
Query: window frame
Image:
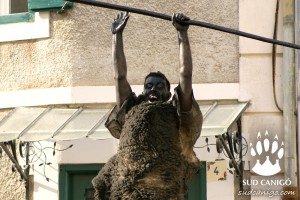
<point>25,26</point>
<point>17,17</point>
<point>6,18</point>
<point>34,23</point>
<point>65,176</point>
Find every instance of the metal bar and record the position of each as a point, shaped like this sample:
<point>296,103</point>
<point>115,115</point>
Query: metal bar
<point>8,116</point>
<point>27,170</point>
<point>101,120</point>
<point>11,157</point>
<point>124,8</point>
<point>33,122</point>
<point>230,155</point>
<point>297,40</point>
<point>240,142</point>
<point>75,114</point>
<point>190,22</point>
<point>210,110</point>
<point>229,137</point>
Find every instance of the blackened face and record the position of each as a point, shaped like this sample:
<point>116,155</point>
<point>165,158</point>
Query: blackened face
<point>156,89</point>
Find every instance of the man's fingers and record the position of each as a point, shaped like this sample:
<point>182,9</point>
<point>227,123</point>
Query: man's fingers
<point>122,16</point>
<point>173,16</point>
<point>180,17</point>
<point>186,18</point>
<point>126,18</point>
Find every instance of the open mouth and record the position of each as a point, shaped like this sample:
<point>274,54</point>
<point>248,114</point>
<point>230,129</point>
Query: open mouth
<point>152,98</point>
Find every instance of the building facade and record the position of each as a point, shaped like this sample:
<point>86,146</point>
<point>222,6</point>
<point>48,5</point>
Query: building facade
<point>63,60</point>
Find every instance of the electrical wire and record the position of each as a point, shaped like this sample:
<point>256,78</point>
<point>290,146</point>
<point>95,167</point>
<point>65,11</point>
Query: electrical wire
<point>274,58</point>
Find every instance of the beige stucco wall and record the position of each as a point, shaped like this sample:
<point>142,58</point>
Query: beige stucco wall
<point>256,71</point>
<point>11,187</point>
<point>256,83</point>
<point>78,52</point>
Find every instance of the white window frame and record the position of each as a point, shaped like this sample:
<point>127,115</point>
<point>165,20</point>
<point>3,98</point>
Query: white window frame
<point>4,7</point>
<point>39,27</point>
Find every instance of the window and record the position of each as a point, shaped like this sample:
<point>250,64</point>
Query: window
<point>13,6</point>
<point>18,6</point>
<point>12,11</point>
<point>27,19</point>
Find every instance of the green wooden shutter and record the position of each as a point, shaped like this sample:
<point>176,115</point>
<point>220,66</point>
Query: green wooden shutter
<point>45,5</point>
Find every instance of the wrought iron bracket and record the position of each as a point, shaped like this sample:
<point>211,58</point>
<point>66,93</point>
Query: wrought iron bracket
<point>232,143</point>
<point>23,174</point>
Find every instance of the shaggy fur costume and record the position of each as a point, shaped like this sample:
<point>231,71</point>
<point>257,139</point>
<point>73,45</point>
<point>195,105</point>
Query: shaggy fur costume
<point>149,163</point>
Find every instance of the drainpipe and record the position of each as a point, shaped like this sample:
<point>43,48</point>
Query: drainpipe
<point>297,27</point>
<point>288,9</point>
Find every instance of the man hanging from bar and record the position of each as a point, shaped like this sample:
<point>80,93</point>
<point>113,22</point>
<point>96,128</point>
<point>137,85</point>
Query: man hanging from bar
<point>155,156</point>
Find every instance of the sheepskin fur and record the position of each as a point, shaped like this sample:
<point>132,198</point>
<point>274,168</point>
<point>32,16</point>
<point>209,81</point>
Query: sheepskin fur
<point>149,163</point>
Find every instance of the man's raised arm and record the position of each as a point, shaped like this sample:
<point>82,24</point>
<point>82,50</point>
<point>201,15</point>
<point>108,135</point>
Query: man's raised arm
<point>185,57</point>
<point>123,88</point>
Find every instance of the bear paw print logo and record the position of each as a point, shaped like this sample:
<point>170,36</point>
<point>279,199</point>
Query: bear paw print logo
<point>263,149</point>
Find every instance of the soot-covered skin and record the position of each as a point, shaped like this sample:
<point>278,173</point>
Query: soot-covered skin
<point>149,163</point>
